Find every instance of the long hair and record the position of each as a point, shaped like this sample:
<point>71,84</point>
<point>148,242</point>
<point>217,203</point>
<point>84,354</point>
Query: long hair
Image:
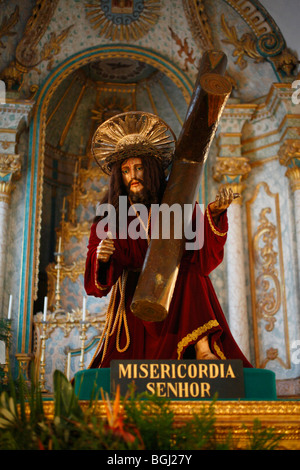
<point>154,182</point>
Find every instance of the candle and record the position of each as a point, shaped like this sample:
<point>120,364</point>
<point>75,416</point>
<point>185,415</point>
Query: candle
<point>45,308</point>
<point>83,308</point>
<point>59,245</point>
<point>68,365</point>
<point>9,307</point>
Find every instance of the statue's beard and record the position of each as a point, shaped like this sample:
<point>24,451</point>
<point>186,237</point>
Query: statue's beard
<point>141,197</point>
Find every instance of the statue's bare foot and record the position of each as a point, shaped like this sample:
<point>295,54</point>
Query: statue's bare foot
<point>203,351</point>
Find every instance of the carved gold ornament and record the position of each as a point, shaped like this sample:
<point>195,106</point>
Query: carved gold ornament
<point>231,169</point>
<point>267,282</point>
<point>199,23</point>
<point>245,46</point>
<point>123,20</point>
<point>269,46</point>
<point>267,278</point>
<point>132,134</point>
<point>28,55</point>
<point>289,156</point>
<point>9,163</point>
<point>10,169</point>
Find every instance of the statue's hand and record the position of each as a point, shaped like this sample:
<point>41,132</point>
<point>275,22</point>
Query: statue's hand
<point>105,249</point>
<point>223,200</point>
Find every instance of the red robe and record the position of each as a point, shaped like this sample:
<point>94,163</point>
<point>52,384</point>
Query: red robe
<point>194,311</point>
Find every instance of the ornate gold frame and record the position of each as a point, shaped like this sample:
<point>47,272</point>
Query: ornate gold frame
<point>233,417</point>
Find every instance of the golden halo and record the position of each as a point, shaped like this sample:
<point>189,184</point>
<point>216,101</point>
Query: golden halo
<point>133,134</point>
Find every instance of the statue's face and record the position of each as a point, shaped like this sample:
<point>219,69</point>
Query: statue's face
<point>133,174</point>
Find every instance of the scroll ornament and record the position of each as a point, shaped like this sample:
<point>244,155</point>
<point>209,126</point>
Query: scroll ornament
<point>267,282</point>
<point>27,56</point>
<point>267,47</point>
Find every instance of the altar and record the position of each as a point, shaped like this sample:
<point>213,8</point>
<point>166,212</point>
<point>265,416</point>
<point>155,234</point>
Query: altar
<point>259,404</point>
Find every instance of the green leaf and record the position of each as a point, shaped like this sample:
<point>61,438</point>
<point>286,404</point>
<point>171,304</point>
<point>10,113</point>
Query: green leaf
<point>66,401</point>
<point>8,415</point>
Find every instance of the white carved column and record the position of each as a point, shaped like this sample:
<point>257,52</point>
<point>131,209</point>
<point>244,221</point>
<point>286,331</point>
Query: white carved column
<point>9,170</point>
<point>231,171</point>
<point>289,156</point>
<point>237,296</point>
<point>3,225</point>
<point>14,114</point>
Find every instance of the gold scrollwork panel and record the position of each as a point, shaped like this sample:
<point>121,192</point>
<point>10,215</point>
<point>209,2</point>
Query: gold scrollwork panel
<point>267,280</point>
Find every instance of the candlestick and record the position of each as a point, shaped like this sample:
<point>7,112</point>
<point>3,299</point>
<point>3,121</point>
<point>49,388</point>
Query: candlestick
<point>58,267</point>
<point>43,355</point>
<point>45,308</point>
<point>9,307</point>
<point>83,308</point>
<point>7,348</point>
<point>83,338</point>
